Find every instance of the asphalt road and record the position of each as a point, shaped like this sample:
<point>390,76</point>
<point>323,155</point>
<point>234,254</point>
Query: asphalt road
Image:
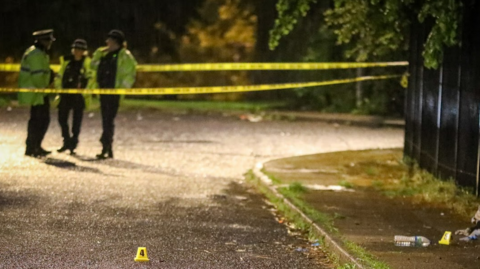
<point>175,187</point>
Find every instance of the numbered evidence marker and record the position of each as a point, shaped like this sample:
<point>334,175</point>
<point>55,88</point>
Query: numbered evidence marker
<point>141,255</point>
<point>447,237</point>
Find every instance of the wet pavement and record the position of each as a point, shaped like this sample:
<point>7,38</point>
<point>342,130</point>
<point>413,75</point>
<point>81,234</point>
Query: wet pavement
<point>175,187</point>
<point>366,216</point>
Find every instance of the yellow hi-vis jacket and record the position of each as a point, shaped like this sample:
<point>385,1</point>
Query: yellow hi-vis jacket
<point>126,68</point>
<point>34,74</point>
<point>87,73</point>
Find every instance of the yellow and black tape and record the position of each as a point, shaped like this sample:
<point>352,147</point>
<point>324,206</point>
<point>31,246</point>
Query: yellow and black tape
<point>235,66</point>
<point>202,90</point>
<point>261,66</point>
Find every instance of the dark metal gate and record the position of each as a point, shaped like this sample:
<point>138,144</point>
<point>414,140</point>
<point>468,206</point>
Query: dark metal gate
<point>442,106</point>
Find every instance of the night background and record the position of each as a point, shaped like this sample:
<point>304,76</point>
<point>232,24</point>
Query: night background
<point>202,31</point>
<point>315,177</point>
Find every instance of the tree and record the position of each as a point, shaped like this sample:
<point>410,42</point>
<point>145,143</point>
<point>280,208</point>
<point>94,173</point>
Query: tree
<point>224,32</point>
<point>375,28</point>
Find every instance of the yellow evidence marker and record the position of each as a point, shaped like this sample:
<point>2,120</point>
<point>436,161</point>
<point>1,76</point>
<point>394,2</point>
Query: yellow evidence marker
<point>141,255</point>
<point>447,237</point>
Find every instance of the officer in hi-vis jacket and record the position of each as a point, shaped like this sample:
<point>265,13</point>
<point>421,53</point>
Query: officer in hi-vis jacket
<point>35,73</point>
<point>74,74</point>
<point>114,67</point>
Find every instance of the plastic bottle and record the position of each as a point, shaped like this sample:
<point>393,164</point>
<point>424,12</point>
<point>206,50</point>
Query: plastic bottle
<point>411,241</point>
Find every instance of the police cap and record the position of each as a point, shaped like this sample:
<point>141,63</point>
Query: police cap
<point>117,35</point>
<point>80,44</point>
<point>44,34</point>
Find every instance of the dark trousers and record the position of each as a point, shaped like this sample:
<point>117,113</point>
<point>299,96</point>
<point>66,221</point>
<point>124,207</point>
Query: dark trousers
<point>109,106</point>
<point>76,103</point>
<point>38,125</point>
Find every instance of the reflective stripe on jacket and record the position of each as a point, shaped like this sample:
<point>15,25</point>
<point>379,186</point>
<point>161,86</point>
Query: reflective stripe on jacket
<point>126,68</point>
<point>34,74</point>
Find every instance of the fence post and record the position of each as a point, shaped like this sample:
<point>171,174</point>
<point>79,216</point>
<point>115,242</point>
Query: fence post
<point>478,157</point>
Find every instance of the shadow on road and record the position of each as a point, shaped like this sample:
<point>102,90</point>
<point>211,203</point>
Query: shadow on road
<point>17,199</point>
<point>183,141</point>
<point>70,166</point>
<point>116,163</point>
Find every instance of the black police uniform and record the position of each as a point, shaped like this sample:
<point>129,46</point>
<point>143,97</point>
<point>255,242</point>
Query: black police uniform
<point>109,103</point>
<point>73,78</point>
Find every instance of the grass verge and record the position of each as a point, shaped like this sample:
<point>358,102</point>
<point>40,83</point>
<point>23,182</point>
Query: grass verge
<point>422,186</point>
<point>384,171</point>
<point>176,106</point>
<point>201,105</point>
<point>294,194</point>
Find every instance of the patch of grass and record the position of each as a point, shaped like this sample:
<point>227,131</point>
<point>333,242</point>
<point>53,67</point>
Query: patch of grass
<point>423,186</point>
<point>347,266</point>
<point>297,188</point>
<point>377,184</point>
<point>288,213</point>
<point>390,176</point>
<point>405,179</point>
<point>4,102</point>
<point>273,178</point>
<point>316,216</point>
<point>294,194</point>
<point>371,171</point>
<point>346,184</point>
<point>365,256</point>
<point>246,106</point>
<point>327,222</point>
<point>176,106</point>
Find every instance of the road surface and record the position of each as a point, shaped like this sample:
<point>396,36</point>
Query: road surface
<point>175,187</point>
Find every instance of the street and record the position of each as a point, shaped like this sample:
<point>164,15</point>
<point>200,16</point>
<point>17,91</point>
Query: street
<point>175,187</point>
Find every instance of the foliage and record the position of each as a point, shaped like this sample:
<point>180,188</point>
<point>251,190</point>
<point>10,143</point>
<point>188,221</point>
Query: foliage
<point>321,48</point>
<point>373,28</point>
<point>225,32</point>
<point>447,15</point>
<point>289,11</point>
<point>377,28</point>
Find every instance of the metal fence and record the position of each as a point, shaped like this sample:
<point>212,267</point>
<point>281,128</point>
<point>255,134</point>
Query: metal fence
<point>442,106</point>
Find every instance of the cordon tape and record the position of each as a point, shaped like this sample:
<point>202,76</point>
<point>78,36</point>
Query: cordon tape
<point>201,90</point>
<point>235,66</point>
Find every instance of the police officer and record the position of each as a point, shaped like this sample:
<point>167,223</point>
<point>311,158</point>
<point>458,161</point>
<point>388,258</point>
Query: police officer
<point>35,73</point>
<point>114,67</point>
<point>74,74</point>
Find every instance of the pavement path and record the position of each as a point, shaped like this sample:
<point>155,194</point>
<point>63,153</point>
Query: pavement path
<point>175,186</point>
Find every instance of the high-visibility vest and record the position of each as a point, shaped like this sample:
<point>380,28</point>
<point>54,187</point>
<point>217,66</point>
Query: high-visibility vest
<point>34,74</point>
<point>126,68</point>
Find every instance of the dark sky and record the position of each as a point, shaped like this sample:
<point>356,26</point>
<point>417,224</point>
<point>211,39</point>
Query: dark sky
<point>91,20</point>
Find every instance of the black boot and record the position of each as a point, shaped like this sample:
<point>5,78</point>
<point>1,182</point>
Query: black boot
<point>31,151</point>
<point>106,153</point>
<point>43,152</point>
<point>65,146</point>
<point>32,148</point>
<point>73,145</point>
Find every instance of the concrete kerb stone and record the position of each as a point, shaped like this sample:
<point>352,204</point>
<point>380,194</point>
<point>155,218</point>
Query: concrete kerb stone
<point>331,245</point>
